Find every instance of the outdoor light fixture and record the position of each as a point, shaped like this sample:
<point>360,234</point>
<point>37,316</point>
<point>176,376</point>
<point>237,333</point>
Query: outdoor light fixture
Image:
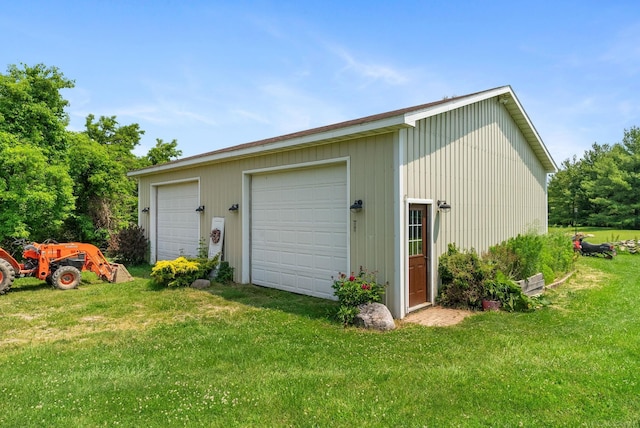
<point>443,206</point>
<point>503,100</point>
<point>234,207</point>
<point>357,205</point>
<point>200,209</point>
<point>145,210</point>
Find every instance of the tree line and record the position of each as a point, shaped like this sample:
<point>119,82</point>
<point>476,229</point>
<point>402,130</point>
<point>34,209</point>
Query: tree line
<point>60,184</point>
<point>600,189</point>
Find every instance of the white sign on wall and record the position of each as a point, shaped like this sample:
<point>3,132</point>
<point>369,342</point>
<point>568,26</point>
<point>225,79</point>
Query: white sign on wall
<point>216,237</point>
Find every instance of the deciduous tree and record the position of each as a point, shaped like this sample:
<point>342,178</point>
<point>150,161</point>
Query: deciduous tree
<point>163,152</point>
<point>35,194</point>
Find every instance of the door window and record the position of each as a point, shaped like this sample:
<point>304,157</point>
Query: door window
<point>415,232</point>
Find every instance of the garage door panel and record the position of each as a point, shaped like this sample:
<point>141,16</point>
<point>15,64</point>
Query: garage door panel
<point>177,223</point>
<point>299,229</point>
<point>324,262</point>
<point>306,283</point>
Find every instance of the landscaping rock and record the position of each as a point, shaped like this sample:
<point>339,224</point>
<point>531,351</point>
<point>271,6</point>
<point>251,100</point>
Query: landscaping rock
<point>201,283</point>
<point>630,246</point>
<point>375,316</point>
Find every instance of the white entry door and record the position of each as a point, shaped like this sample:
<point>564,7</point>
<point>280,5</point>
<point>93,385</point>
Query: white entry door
<point>299,229</point>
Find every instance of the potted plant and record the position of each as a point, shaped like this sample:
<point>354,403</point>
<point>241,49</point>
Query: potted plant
<point>492,295</point>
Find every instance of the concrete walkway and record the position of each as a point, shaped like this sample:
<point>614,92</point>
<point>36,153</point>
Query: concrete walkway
<point>437,316</point>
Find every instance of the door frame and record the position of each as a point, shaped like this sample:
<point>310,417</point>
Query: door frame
<point>429,246</point>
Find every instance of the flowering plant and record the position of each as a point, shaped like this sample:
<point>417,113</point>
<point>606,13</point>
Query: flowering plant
<point>181,272</point>
<point>354,290</point>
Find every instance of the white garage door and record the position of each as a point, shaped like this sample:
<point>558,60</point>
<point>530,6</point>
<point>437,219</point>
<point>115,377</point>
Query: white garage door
<point>299,229</point>
<point>178,224</point>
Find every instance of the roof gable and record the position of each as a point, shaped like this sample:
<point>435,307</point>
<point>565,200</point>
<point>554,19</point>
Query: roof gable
<point>370,125</point>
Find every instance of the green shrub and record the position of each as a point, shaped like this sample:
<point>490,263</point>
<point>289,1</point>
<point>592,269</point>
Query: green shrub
<point>225,273</point>
<point>557,256</point>
<point>346,314</point>
<point>355,290</point>
<point>129,245</point>
<point>519,257</point>
<point>526,255</point>
<point>467,279</point>
<point>507,292</point>
<point>181,272</point>
<point>462,274</point>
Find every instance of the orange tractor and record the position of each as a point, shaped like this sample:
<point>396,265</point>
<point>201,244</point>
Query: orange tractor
<point>59,264</point>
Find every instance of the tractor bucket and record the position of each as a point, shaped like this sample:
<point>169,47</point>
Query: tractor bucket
<point>120,273</point>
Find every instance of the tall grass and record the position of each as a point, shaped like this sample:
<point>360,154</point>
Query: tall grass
<point>130,355</point>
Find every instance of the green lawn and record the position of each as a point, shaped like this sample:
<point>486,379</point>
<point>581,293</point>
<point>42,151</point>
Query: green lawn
<point>135,356</point>
<point>600,234</point>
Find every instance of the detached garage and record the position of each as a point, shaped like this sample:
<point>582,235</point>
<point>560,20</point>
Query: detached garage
<point>387,192</point>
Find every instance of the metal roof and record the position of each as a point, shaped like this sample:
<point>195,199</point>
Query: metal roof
<point>364,126</point>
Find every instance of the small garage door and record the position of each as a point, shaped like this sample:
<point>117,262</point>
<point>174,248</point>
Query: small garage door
<point>299,229</point>
<point>178,224</point>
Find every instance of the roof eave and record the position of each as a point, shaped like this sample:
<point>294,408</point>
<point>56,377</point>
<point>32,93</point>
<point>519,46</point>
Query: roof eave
<point>515,109</point>
<point>372,125</point>
<point>381,126</point>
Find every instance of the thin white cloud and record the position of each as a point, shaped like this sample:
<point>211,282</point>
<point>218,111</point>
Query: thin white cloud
<point>369,72</point>
<point>292,109</point>
<point>254,117</point>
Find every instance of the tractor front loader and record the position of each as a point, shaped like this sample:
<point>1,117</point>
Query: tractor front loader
<point>59,265</point>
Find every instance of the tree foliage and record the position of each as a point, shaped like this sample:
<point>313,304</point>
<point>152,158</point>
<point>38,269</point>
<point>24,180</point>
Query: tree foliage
<point>98,180</point>
<point>35,195</point>
<point>163,152</point>
<point>56,183</point>
<point>600,189</point>
<point>32,108</point>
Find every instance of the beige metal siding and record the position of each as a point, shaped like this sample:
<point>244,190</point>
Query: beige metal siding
<point>477,159</point>
<point>370,178</point>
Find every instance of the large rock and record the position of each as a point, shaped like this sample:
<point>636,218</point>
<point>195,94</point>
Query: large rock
<point>375,316</point>
<point>201,283</point>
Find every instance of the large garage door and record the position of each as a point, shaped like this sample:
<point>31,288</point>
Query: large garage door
<point>178,224</point>
<point>299,229</point>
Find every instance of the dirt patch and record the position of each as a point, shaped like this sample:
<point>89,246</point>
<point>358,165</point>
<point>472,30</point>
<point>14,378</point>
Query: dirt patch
<point>437,316</point>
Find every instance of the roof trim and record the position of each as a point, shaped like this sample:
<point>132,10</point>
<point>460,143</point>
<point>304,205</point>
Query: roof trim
<point>369,125</point>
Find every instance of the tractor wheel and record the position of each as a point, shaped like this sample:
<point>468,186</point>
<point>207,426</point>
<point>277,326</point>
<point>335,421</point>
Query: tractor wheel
<point>66,278</point>
<point>7,275</point>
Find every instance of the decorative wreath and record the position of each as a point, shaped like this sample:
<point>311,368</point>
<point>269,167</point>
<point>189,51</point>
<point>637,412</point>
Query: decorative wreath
<point>215,235</point>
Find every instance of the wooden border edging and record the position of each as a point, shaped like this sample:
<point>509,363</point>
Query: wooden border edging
<point>560,281</point>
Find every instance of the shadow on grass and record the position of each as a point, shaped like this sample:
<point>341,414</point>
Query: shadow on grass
<point>269,298</point>
<point>259,297</point>
<point>22,286</point>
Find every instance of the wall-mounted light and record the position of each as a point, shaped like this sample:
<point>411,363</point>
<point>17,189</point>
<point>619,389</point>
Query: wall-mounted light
<point>443,206</point>
<point>200,209</point>
<point>234,208</point>
<point>145,210</point>
<point>356,206</point>
<point>503,100</point>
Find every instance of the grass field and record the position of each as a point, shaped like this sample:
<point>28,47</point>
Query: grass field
<point>600,234</point>
<point>133,355</point>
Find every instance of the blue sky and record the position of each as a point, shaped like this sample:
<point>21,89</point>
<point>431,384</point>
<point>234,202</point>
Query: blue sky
<point>213,74</point>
